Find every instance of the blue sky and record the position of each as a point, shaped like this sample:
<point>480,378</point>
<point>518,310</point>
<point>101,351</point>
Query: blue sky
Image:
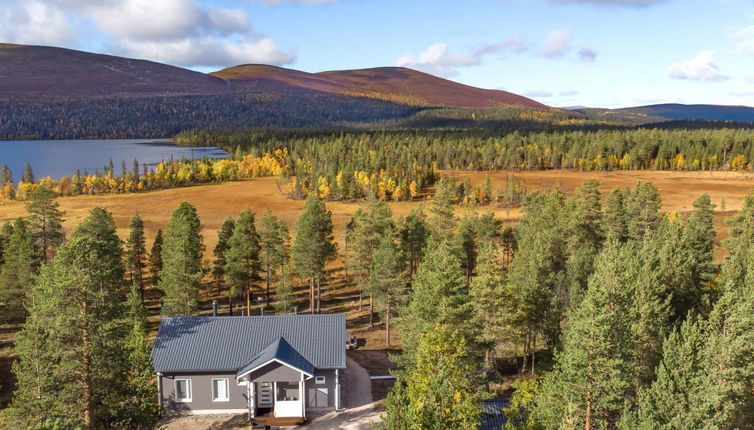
<point>607,53</point>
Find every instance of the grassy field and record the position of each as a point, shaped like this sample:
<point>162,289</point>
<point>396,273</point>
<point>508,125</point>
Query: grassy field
<point>215,202</point>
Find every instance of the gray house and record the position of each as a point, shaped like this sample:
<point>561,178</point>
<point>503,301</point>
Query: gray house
<point>275,368</point>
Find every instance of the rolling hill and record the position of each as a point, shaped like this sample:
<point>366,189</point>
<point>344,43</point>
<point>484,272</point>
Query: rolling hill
<point>396,84</point>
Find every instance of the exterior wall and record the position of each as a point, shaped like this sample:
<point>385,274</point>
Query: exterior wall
<point>201,394</point>
<point>311,387</point>
<point>275,372</point>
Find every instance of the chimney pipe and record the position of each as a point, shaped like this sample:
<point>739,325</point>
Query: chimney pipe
<point>262,311</point>
<point>214,308</point>
<point>243,312</point>
<point>295,310</point>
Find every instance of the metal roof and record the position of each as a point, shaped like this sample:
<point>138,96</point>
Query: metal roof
<point>205,344</point>
<point>281,351</point>
<point>493,417</point>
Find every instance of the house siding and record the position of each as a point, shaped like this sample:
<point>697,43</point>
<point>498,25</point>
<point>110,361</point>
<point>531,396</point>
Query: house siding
<point>275,372</point>
<point>311,387</point>
<point>201,393</point>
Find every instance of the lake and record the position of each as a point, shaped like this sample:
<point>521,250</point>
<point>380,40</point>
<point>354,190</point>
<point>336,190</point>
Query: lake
<point>58,158</point>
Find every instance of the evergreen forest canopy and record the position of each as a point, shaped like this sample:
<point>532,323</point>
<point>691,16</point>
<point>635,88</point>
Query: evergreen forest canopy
<point>400,165</point>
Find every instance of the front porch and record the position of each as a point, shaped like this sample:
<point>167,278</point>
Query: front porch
<point>265,417</point>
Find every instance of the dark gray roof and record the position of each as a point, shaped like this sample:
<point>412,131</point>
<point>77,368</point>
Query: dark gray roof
<point>492,414</point>
<point>282,351</point>
<point>201,344</point>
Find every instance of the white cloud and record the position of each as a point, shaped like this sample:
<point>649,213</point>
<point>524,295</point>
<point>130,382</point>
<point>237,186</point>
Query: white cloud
<point>180,32</point>
<point>311,2</point>
<point>700,68</point>
<point>37,23</point>
<point>538,93</point>
<point>438,60</point>
<point>557,43</point>
<point>209,52</point>
<point>587,55</point>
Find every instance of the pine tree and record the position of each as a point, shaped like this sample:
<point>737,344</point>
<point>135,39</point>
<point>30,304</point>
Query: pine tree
<point>593,373</point>
<point>386,279</point>
<point>275,247</point>
<point>441,390</point>
<point>284,289</point>
<point>18,273</point>
<point>5,233</point>
<point>537,273</point>
<point>74,332</point>
<point>182,251</point>
<point>438,295</point>
<point>699,237</point>
<point>140,407</point>
<point>136,253</point>
<point>414,234</point>
<point>221,249</point>
<point>488,298</point>
<point>155,258</point>
<point>643,210</point>
<point>46,221</point>
<point>243,265</point>
<point>314,246</point>
<point>674,399</point>
<point>616,217</point>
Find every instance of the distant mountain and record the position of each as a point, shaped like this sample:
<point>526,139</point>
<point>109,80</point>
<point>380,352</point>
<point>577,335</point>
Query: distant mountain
<point>695,112</point>
<point>56,93</point>
<point>397,84</point>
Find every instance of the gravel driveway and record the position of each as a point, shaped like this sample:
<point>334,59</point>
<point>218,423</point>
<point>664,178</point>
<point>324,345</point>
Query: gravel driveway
<point>360,413</point>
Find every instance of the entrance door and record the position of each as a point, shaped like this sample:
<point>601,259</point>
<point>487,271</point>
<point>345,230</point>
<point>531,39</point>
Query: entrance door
<point>265,395</point>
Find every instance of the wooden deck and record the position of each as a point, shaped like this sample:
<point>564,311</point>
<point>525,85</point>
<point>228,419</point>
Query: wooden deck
<point>267,418</point>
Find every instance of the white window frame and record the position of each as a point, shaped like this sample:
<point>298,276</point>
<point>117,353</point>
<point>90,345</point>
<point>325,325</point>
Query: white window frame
<point>190,390</point>
<point>227,390</point>
<point>320,380</point>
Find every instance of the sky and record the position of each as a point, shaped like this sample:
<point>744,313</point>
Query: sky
<point>596,53</point>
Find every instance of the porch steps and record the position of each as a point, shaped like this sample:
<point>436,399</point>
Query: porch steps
<point>262,422</point>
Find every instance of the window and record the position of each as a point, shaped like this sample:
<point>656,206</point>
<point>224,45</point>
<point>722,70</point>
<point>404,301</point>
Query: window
<point>183,390</point>
<point>319,380</point>
<point>287,391</point>
<point>220,390</point>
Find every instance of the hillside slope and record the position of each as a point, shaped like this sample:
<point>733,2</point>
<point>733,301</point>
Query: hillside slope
<point>42,72</point>
<point>396,84</point>
<point>675,111</point>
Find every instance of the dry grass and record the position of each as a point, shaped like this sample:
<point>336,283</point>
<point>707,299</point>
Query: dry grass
<point>215,202</point>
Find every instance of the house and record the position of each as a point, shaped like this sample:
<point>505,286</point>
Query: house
<point>275,368</point>
<point>493,417</point>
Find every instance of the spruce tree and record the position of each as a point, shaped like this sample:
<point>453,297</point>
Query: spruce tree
<point>489,299</point>
<point>136,253</point>
<point>643,210</point>
<point>5,232</point>
<point>45,221</point>
<point>243,265</point>
<point>221,248</point>
<point>6,176</point>
<point>155,258</point>
<point>275,247</point>
<point>28,176</point>
<point>314,246</point>
<point>181,272</point>
<point>699,237</point>
<point>442,222</point>
<point>18,273</point>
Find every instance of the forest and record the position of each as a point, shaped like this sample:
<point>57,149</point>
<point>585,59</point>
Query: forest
<point>604,311</point>
<point>402,165</point>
